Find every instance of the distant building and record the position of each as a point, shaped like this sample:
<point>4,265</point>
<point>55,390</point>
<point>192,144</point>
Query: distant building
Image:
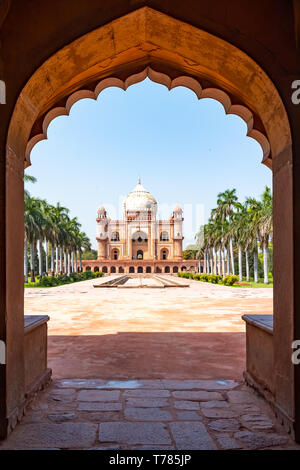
<point>139,243</point>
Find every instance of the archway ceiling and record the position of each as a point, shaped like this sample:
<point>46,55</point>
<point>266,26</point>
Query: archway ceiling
<point>143,44</point>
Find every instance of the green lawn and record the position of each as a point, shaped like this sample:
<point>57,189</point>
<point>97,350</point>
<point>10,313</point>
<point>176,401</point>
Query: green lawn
<point>33,284</point>
<point>259,284</point>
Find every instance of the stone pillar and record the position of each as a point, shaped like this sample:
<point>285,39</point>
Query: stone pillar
<point>12,381</point>
<point>102,249</point>
<point>286,181</point>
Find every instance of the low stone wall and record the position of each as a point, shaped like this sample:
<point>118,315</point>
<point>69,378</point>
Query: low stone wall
<point>35,353</point>
<point>260,354</point>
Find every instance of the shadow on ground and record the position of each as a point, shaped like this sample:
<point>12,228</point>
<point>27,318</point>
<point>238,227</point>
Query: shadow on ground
<point>134,355</point>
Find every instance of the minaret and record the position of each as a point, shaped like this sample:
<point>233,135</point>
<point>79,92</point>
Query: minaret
<point>178,219</point>
<point>102,233</point>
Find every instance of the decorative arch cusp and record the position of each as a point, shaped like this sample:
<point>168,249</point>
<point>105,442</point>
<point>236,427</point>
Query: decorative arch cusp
<point>147,43</point>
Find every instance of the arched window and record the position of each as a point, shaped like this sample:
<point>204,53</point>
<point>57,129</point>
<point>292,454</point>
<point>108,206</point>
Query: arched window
<point>96,269</point>
<point>164,254</point>
<point>148,269</point>
<point>140,269</point>
<point>115,254</point>
<point>167,269</point>
<point>104,269</point>
<point>115,237</point>
<point>158,270</point>
<point>88,268</point>
<point>113,269</point>
<point>175,269</point>
<point>164,236</point>
<point>121,270</point>
<point>131,269</point>
<point>140,254</point>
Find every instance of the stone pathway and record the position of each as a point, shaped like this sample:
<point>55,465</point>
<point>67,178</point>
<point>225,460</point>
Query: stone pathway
<point>148,415</point>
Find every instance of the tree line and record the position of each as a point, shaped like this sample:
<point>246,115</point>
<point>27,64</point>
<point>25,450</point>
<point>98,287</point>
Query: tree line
<point>239,228</point>
<point>49,231</point>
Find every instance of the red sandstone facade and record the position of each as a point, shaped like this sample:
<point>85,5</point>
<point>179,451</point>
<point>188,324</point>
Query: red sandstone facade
<point>140,243</point>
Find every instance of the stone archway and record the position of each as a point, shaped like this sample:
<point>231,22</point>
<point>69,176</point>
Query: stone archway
<point>148,43</point>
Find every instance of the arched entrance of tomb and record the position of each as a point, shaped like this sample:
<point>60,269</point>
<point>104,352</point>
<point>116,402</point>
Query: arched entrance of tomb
<point>140,269</point>
<point>139,245</point>
<point>158,48</point>
<point>164,254</point>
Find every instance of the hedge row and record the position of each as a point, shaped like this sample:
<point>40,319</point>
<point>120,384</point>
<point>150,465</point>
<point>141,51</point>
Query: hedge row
<point>213,278</point>
<point>51,281</point>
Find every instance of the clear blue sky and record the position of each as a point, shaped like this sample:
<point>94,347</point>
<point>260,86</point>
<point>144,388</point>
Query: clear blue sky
<point>185,150</point>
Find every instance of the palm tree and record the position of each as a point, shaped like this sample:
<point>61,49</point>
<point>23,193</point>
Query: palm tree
<point>82,243</point>
<point>226,204</point>
<point>262,219</point>
<point>28,179</point>
<point>33,221</point>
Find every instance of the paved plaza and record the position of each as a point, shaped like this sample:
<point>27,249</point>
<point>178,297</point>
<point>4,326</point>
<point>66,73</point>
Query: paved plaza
<point>147,369</point>
<point>190,333</point>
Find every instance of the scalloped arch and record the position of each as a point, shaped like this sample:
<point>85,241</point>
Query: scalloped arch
<point>242,111</point>
<point>148,43</point>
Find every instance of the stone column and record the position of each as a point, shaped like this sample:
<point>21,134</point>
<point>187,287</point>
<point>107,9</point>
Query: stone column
<point>12,383</point>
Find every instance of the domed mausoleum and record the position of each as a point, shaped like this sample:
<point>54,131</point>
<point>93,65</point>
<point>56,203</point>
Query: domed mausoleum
<point>139,243</point>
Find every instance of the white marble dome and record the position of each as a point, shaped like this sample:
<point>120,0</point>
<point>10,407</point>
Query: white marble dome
<point>139,199</point>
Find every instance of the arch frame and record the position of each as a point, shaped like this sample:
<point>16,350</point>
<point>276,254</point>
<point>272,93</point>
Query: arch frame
<point>172,53</point>
<point>149,43</point>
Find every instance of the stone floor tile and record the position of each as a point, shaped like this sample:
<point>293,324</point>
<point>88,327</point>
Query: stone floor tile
<point>208,385</point>
<point>99,406</point>
<point>99,395</point>
<point>146,402</point>
<point>218,413</point>
<point>63,436</point>
<point>188,416</point>
<point>257,422</point>
<point>215,404</point>
<point>245,408</point>
<point>228,443</point>
<point>134,433</point>
<point>146,393</point>
<point>240,397</point>
<point>147,414</point>
<point>106,448</point>
<point>191,435</point>
<point>152,383</point>
<point>79,383</point>
<point>61,417</point>
<point>260,440</point>
<point>98,416</point>
<point>186,405</point>
<point>64,395</point>
<point>229,425</point>
<point>199,395</point>
<point>153,447</point>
